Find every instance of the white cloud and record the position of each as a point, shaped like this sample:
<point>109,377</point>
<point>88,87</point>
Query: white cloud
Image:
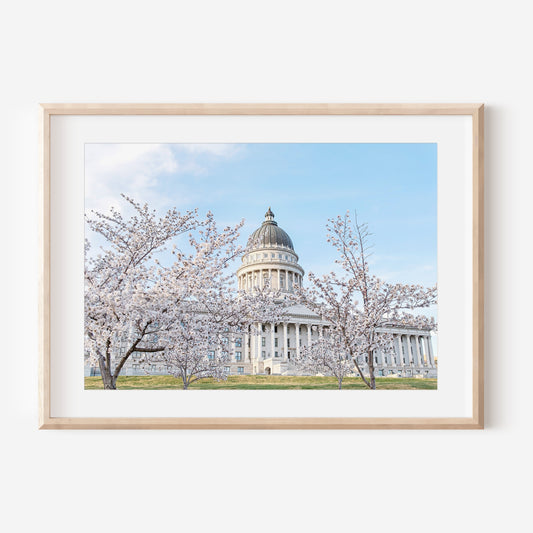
<point>217,149</point>
<point>140,170</point>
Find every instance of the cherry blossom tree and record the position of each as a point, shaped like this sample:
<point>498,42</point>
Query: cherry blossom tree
<point>358,304</point>
<point>201,342</point>
<point>177,315</point>
<point>130,298</point>
<point>326,355</point>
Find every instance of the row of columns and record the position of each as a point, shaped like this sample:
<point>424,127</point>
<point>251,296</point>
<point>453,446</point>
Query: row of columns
<point>284,348</point>
<point>416,349</point>
<point>247,281</point>
<point>418,352</point>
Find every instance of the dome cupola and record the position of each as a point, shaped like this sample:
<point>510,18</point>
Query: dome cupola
<point>270,259</point>
<point>269,235</point>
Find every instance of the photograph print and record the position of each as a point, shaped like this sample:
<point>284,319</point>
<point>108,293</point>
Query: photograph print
<point>261,266</point>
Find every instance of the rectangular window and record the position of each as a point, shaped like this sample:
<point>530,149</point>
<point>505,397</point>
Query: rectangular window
<point>263,353</point>
<point>238,342</point>
<point>275,354</point>
<point>240,370</point>
<point>300,342</point>
<point>263,341</point>
<point>288,343</point>
<point>276,342</point>
<point>238,356</point>
<point>227,369</point>
<point>211,355</point>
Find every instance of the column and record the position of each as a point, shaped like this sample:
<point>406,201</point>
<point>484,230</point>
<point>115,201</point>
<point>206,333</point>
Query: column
<point>272,348</point>
<point>417,351</point>
<point>399,353</point>
<point>261,278</point>
<point>285,351</point>
<point>260,334</point>
<point>423,352</point>
<point>407,350</point>
<point>270,278</point>
<point>297,340</point>
<point>246,349</point>
<point>279,279</point>
<point>431,356</point>
<point>287,279</point>
<point>309,335</point>
<point>382,357</point>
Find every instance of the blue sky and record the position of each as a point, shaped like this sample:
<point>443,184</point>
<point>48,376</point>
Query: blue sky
<point>393,187</point>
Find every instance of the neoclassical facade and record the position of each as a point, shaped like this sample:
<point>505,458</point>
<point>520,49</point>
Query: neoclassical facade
<point>271,259</point>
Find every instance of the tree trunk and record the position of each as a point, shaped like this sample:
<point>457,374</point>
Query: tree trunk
<point>107,378</point>
<point>340,384</point>
<point>371,370</point>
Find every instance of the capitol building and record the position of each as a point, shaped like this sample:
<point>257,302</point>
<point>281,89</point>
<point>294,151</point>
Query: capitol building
<point>271,260</point>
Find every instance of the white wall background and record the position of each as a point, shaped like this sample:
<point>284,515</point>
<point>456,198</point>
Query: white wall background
<point>380,51</point>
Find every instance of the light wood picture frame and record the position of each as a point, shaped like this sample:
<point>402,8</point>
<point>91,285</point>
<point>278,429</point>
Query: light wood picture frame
<point>46,418</point>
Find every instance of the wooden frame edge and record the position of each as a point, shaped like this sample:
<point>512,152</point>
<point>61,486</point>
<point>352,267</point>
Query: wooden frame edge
<point>478,148</point>
<point>44,270</point>
<point>476,111</point>
<point>259,109</point>
<point>260,423</point>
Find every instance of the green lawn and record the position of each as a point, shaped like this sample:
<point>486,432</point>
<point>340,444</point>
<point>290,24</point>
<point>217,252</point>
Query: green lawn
<point>262,383</point>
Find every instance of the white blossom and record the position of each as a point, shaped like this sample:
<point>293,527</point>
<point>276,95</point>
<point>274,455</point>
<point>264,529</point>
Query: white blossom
<point>176,316</point>
<point>358,304</point>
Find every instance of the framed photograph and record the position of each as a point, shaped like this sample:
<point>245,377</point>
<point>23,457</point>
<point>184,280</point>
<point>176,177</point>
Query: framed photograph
<point>261,266</point>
